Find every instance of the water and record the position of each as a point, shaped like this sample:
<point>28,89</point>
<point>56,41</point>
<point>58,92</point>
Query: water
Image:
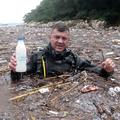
<point>10,24</point>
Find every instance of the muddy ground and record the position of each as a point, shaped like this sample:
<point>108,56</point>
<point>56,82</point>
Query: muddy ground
<point>64,98</point>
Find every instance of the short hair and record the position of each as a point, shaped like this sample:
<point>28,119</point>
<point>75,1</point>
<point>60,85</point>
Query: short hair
<point>61,27</point>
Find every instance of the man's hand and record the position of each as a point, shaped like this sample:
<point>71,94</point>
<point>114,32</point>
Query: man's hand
<point>12,63</point>
<point>108,65</point>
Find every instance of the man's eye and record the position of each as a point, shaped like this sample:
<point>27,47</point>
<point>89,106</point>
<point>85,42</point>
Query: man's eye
<point>64,38</point>
<point>57,37</point>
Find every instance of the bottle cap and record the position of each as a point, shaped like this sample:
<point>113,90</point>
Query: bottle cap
<point>21,37</point>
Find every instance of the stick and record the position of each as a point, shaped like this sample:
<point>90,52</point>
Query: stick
<point>36,90</point>
<point>63,94</point>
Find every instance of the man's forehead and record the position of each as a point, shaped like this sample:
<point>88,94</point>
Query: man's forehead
<point>54,31</point>
<point>61,27</point>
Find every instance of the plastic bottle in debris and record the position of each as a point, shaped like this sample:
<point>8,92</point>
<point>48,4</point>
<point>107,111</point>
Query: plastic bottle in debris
<point>21,55</point>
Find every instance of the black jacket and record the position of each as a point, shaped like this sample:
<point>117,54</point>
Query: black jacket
<point>47,62</point>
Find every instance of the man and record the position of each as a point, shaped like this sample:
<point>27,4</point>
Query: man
<point>56,59</point>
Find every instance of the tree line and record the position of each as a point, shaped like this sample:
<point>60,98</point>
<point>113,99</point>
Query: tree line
<point>53,10</point>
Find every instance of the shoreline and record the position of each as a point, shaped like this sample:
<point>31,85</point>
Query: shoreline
<point>10,24</point>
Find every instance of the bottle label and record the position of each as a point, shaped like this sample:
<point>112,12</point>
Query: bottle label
<point>21,59</point>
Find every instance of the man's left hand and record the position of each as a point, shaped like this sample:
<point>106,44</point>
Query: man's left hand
<point>108,65</point>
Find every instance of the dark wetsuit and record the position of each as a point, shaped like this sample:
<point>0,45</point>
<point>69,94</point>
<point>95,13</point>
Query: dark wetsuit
<point>47,62</point>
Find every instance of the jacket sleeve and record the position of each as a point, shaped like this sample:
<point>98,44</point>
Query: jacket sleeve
<point>87,65</point>
<point>31,68</point>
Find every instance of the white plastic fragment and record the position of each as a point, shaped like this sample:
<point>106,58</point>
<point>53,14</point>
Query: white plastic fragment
<point>112,79</point>
<point>117,58</point>
<point>53,112</point>
<point>117,89</point>
<point>110,53</point>
<point>43,90</point>
<point>116,41</point>
<point>60,114</point>
<point>113,91</point>
<point>77,101</point>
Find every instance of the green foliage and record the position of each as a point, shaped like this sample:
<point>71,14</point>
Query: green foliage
<point>53,10</point>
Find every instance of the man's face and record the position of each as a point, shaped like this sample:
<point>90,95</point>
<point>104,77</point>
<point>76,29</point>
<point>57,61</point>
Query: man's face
<point>59,40</point>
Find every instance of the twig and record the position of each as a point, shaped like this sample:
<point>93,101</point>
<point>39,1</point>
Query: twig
<point>52,79</point>
<point>99,108</point>
<point>63,94</point>
<point>32,116</point>
<point>36,90</point>
<point>60,76</point>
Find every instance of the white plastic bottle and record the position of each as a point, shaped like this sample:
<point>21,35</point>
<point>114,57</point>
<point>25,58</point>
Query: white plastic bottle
<point>21,55</point>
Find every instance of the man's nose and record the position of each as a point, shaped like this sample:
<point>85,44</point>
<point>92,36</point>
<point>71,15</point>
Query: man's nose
<point>60,40</point>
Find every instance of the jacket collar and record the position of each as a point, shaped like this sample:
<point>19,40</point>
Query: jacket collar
<point>55,55</point>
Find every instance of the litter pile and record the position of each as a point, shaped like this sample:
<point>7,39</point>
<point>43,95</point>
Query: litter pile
<point>82,96</point>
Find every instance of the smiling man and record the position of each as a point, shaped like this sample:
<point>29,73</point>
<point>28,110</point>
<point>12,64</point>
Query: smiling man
<point>56,58</point>
<point>59,38</point>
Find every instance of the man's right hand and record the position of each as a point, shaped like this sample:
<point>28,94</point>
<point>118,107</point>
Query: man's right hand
<point>12,63</point>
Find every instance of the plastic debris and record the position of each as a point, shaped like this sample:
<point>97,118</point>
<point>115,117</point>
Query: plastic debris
<point>115,46</point>
<point>53,112</point>
<point>43,90</point>
<point>77,101</point>
<point>113,91</point>
<point>112,79</point>
<point>110,53</point>
<point>117,89</point>
<point>88,88</point>
<point>117,58</point>
<point>116,41</point>
<point>60,114</point>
